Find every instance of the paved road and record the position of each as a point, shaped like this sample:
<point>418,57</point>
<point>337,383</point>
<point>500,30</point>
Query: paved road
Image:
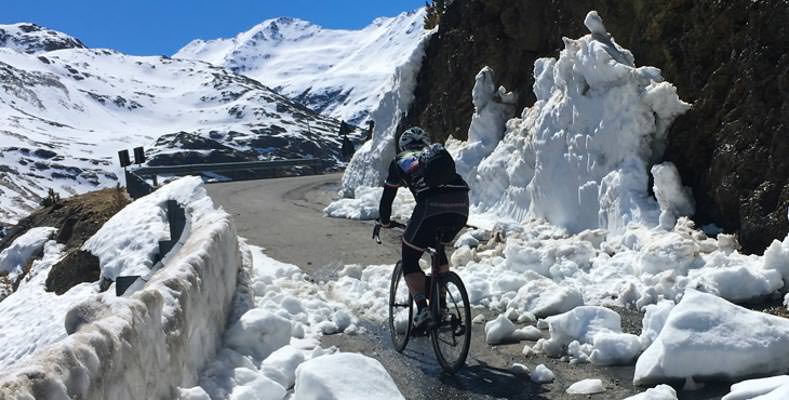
<point>285,216</point>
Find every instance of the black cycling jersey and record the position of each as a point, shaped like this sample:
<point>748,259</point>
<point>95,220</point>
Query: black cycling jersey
<point>404,171</point>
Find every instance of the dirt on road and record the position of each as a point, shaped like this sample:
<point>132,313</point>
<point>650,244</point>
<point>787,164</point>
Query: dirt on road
<point>285,216</point>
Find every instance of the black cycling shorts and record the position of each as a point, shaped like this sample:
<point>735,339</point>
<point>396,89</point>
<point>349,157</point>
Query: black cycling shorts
<point>439,217</point>
<point>447,213</point>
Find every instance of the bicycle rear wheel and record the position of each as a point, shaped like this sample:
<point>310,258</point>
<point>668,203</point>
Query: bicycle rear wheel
<point>451,330</point>
<point>401,309</point>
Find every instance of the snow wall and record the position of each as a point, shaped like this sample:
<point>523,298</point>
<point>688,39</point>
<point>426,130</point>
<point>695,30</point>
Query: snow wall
<point>579,157</point>
<point>370,162</point>
<point>147,344</point>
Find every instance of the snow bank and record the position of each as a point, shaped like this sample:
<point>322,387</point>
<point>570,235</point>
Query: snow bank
<point>706,336</point>
<point>579,156</point>
<point>772,388</point>
<point>370,163</point>
<point>344,376</point>
<point>146,344</point>
<point>16,256</point>
<point>598,326</point>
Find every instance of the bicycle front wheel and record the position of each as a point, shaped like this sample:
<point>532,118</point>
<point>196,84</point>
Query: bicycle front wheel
<point>451,330</point>
<point>401,309</point>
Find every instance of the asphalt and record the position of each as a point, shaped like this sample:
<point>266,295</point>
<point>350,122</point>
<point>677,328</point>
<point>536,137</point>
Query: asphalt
<point>285,216</point>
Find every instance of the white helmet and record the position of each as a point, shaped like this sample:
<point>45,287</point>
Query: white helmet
<point>413,138</point>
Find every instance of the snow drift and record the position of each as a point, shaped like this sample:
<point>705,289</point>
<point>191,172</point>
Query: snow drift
<point>145,345</point>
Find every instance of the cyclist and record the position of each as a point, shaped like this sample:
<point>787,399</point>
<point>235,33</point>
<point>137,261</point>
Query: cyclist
<point>439,209</point>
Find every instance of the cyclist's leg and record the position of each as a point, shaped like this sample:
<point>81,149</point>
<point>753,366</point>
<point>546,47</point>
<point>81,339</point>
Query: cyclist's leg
<point>412,248</point>
<point>414,276</point>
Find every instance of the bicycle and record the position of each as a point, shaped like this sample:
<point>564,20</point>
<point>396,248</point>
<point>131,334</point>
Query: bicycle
<point>450,329</point>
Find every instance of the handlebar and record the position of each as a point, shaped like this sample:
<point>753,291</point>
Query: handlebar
<point>378,226</point>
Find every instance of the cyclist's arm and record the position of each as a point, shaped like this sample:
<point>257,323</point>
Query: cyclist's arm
<point>391,184</point>
<point>385,207</point>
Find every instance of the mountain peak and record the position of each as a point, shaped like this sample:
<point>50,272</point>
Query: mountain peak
<point>32,38</point>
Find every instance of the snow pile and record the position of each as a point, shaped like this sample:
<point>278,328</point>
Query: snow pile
<point>366,290</point>
<point>492,108</point>
<point>15,257</point>
<point>772,388</point>
<point>586,386</point>
<point>340,73</point>
<point>593,334</point>
<point>365,202</point>
<point>277,317</point>
<point>660,392</point>
<point>344,376</point>
<point>706,336</point>
<point>118,346</point>
<point>370,163</point>
<point>579,156</point>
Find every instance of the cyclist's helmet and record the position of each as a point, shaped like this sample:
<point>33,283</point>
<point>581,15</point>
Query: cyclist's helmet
<point>414,138</point>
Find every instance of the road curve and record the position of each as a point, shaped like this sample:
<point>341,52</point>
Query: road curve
<point>285,216</point>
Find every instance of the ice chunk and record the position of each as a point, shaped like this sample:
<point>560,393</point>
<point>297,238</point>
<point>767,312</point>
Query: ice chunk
<point>500,330</point>
<point>660,392</point>
<point>344,376</point>
<point>706,336</point>
<point>586,386</point>
<point>542,374</point>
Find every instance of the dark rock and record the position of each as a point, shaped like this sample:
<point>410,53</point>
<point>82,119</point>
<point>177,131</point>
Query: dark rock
<point>76,267</point>
<point>44,153</point>
<point>730,58</point>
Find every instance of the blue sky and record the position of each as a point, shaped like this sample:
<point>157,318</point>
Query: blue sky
<point>146,27</point>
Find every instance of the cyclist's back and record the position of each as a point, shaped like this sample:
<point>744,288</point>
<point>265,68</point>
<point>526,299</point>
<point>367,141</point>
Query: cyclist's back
<point>440,210</point>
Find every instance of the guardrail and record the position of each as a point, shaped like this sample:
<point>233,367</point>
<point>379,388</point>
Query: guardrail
<point>190,169</point>
<point>137,186</point>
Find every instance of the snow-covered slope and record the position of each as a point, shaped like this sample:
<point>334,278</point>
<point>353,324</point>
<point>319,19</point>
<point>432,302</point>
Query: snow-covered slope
<point>64,114</point>
<point>341,73</point>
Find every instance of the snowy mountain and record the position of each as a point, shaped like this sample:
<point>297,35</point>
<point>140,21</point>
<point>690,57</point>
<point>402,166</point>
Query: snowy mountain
<point>31,38</point>
<point>341,73</point>
<point>65,113</point>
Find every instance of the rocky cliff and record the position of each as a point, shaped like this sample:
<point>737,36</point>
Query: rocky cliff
<point>729,58</point>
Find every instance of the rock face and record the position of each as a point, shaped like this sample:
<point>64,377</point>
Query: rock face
<point>731,59</point>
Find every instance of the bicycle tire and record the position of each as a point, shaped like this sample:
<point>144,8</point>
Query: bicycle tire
<point>460,318</point>
<point>399,341</point>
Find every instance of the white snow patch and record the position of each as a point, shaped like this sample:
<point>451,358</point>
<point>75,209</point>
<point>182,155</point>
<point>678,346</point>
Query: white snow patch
<point>17,255</point>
